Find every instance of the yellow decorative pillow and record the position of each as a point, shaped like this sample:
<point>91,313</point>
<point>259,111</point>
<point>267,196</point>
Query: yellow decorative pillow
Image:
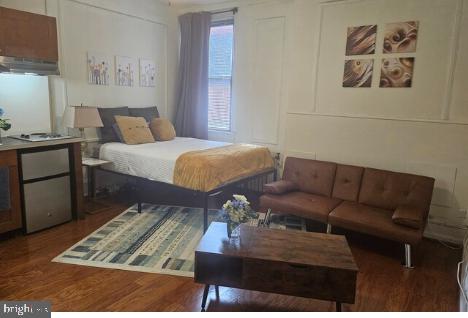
<point>134,130</point>
<point>162,129</point>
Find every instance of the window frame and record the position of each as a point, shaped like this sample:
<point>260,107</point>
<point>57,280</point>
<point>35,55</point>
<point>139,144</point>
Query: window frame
<point>216,23</point>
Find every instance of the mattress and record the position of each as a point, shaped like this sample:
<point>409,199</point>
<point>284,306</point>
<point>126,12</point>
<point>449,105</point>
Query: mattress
<point>153,161</point>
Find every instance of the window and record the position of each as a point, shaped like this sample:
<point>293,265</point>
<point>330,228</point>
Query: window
<point>220,75</point>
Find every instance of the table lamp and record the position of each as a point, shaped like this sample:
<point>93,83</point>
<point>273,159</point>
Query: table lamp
<point>82,117</point>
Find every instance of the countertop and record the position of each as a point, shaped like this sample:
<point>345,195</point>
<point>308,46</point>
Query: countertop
<point>7,143</point>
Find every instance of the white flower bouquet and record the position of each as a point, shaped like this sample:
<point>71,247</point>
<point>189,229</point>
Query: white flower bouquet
<point>237,211</point>
<point>4,123</point>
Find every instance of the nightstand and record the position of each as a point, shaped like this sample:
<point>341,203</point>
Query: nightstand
<point>91,164</point>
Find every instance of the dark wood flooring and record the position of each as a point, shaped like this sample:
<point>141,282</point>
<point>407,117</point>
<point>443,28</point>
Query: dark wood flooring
<point>27,273</point>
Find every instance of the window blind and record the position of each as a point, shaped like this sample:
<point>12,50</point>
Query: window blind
<point>220,75</point>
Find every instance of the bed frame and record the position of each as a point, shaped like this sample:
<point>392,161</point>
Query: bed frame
<point>156,192</point>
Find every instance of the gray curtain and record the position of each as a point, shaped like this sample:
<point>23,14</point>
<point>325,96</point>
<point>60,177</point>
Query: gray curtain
<point>192,88</point>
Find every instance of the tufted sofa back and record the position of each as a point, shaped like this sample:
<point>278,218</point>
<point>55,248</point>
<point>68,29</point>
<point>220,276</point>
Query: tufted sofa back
<point>388,190</point>
<point>378,188</point>
<point>347,182</point>
<point>312,176</point>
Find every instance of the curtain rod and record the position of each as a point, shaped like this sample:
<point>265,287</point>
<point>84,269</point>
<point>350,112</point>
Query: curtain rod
<point>233,10</point>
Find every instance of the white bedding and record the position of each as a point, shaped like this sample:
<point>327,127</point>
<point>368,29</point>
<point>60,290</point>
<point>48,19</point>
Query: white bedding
<point>154,161</point>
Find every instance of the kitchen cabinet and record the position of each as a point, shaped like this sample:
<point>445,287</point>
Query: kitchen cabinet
<point>44,184</point>
<point>2,32</point>
<point>10,204</point>
<point>28,35</point>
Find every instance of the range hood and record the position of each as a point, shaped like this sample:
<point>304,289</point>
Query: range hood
<point>28,43</point>
<point>21,65</point>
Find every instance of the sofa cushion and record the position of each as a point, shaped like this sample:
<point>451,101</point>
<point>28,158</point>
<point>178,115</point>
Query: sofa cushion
<point>311,176</point>
<point>107,133</point>
<point>347,182</point>
<point>148,113</point>
<point>388,190</point>
<point>302,204</point>
<point>280,187</point>
<point>373,221</point>
<point>408,216</point>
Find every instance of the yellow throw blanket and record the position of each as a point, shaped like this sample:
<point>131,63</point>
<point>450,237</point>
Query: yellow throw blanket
<point>205,170</point>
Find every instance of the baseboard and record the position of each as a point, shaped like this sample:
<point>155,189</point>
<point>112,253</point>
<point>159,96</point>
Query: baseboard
<point>446,233</point>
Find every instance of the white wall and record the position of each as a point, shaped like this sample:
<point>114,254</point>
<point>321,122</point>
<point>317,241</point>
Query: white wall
<point>140,29</point>
<point>25,100</point>
<point>287,90</point>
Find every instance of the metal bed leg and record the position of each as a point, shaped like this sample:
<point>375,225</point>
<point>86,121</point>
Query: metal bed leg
<point>139,207</point>
<point>217,291</point>
<point>205,213</point>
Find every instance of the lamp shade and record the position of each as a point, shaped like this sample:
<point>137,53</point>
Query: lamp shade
<point>82,117</point>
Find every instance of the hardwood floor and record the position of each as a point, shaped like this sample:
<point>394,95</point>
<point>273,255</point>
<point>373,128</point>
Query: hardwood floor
<point>27,273</point>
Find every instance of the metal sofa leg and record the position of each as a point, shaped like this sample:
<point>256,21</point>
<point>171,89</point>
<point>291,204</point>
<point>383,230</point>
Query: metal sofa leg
<point>408,263</point>
<point>329,228</point>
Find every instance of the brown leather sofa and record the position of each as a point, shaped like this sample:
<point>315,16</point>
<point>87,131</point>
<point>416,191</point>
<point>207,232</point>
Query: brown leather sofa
<point>383,203</point>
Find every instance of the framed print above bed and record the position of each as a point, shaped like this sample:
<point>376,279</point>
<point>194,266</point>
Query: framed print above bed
<point>147,73</point>
<point>125,70</point>
<point>98,68</point>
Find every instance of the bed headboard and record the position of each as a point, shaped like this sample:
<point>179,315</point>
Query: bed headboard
<point>107,133</point>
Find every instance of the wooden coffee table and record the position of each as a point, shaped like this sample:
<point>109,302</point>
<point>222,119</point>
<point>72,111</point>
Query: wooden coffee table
<point>303,264</point>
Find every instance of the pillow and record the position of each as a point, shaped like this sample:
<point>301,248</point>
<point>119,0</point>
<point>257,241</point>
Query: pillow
<point>410,217</point>
<point>117,132</point>
<point>146,112</point>
<point>107,132</point>
<point>134,130</point>
<point>280,187</point>
<point>162,129</point>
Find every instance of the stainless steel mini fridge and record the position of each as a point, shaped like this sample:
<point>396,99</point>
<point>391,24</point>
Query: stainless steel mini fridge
<point>46,188</point>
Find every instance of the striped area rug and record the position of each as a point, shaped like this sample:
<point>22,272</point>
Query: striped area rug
<point>162,239</point>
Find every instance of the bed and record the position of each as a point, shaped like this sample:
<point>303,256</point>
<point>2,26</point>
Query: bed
<point>188,171</point>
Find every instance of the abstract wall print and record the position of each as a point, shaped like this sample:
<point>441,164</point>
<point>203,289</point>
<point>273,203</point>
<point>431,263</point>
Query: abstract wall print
<point>147,73</point>
<point>98,69</point>
<point>125,70</point>
<point>401,37</point>
<point>361,40</point>
<point>397,72</point>
<point>358,73</point>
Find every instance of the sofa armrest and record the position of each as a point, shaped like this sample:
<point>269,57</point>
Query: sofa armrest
<point>410,217</point>
<point>280,187</point>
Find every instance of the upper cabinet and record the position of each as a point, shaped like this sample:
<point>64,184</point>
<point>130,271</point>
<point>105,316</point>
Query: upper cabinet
<point>28,35</point>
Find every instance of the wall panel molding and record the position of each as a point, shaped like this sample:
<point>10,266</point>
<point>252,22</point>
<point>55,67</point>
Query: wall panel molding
<point>270,113</point>
<point>456,33</point>
<point>157,21</point>
<point>65,62</point>
<point>353,116</point>
<point>451,66</point>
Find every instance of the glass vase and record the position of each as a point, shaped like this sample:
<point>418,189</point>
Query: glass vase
<point>233,229</point>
